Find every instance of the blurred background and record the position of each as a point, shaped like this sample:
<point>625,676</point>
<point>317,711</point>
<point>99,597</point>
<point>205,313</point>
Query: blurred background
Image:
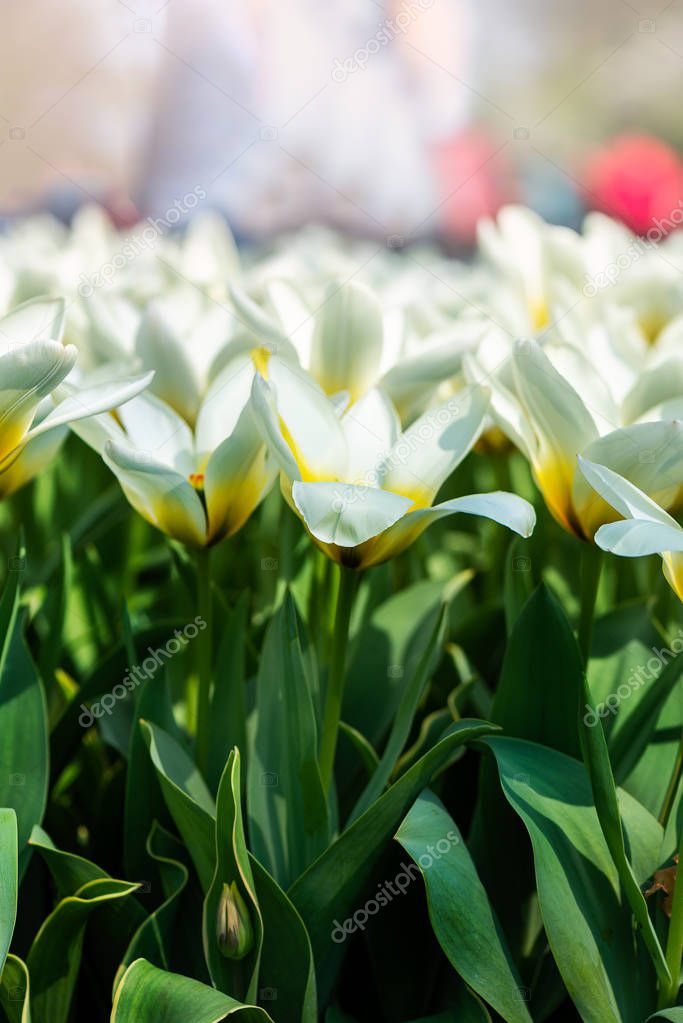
<point>406,118</point>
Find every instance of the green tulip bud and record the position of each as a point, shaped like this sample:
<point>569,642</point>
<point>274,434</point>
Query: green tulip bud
<point>234,932</point>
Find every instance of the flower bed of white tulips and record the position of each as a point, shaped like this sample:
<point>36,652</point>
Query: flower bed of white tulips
<point>319,697</point>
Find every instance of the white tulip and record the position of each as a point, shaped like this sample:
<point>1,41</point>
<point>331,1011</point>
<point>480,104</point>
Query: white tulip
<point>363,488</point>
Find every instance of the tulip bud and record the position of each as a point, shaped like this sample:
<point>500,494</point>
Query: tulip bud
<point>234,932</point>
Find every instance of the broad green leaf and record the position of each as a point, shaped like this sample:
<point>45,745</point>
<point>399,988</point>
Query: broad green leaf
<point>231,865</point>
<point>332,887</point>
<point>8,879</point>
<point>403,720</point>
<point>110,938</point>
<point>187,797</point>
<point>54,958</point>
<point>291,978</point>
<point>54,610</point>
<point>672,1015</point>
<point>15,990</point>
<point>588,924</point>
<point>517,582</point>
<point>540,683</point>
<point>228,706</point>
<point>597,761</point>
<point>69,871</point>
<point>537,699</point>
<point>388,649</point>
<point>152,939</point>
<point>144,801</point>
<point>288,819</point>
<point>461,916</point>
<point>632,738</point>
<point>148,995</point>
<point>23,723</point>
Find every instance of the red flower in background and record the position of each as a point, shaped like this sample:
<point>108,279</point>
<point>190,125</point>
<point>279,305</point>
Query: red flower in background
<point>637,179</point>
<point>476,179</point>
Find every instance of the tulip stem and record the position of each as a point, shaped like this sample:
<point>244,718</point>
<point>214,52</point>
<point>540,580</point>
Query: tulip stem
<point>336,674</point>
<point>674,942</point>
<point>591,567</point>
<point>204,659</point>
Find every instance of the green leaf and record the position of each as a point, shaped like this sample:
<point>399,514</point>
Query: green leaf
<point>461,916</point>
<point>288,819</point>
<point>8,880</point>
<point>632,738</point>
<point>536,699</point>
<point>144,801</point>
<point>189,801</point>
<point>540,683</point>
<point>596,759</point>
<point>672,1015</point>
<point>517,582</point>
<point>400,729</point>
<point>69,871</point>
<point>23,724</point>
<point>589,927</point>
<point>15,990</point>
<point>388,650</point>
<point>54,610</point>
<point>54,958</point>
<point>332,887</point>
<point>290,978</point>
<point>148,995</point>
<point>231,865</point>
<point>152,939</point>
<point>228,706</point>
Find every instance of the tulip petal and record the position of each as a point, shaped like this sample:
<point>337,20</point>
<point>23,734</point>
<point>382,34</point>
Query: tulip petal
<point>268,423</point>
<point>371,427</point>
<point>623,495</point>
<point>39,319</point>
<point>159,494</point>
<point>160,347</point>
<point>81,403</point>
<point>563,425</point>
<point>633,538</point>
<point>238,475</point>
<point>224,402</point>
<point>344,514</point>
<point>507,509</point>
<point>431,448</point>
<point>154,427</point>
<point>347,340</point>
<point>28,373</point>
<point>415,377</point>
<point>650,455</point>
<point>308,422</point>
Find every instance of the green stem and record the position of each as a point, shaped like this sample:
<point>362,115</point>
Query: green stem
<point>204,659</point>
<point>336,673</point>
<point>674,943</point>
<point>591,567</point>
<point>672,787</point>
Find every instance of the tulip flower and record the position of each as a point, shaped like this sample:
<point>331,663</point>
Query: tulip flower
<point>529,257</point>
<point>552,424</point>
<point>363,488</point>
<point>33,363</point>
<point>349,349</point>
<point>646,528</point>
<point>198,486</point>
<point>179,335</point>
